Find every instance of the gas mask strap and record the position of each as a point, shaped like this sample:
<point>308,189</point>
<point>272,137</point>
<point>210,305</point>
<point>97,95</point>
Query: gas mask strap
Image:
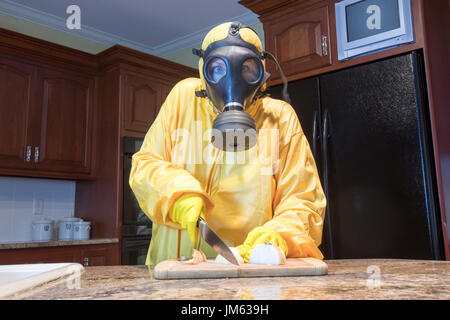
<point>204,94</point>
<point>201,93</point>
<point>197,52</point>
<point>247,27</point>
<point>285,93</point>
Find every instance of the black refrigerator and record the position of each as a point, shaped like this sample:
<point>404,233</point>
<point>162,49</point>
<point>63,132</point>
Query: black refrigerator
<point>369,130</point>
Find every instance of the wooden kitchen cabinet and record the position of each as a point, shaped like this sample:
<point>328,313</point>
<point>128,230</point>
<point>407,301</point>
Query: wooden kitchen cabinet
<point>65,124</point>
<point>100,255</point>
<point>47,100</point>
<point>40,255</point>
<point>45,123</point>
<point>143,99</point>
<point>95,256</point>
<point>87,255</point>
<point>299,41</point>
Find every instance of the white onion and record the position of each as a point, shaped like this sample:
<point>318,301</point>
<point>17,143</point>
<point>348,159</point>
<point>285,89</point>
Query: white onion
<point>267,253</point>
<point>235,251</point>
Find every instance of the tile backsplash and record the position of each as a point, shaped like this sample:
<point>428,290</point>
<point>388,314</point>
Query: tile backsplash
<point>16,204</point>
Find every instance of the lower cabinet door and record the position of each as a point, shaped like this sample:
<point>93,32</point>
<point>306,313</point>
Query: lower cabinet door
<point>94,257</point>
<point>100,255</point>
<point>90,255</point>
<point>40,255</point>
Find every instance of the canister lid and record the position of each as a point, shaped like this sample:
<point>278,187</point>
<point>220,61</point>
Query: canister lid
<point>70,219</point>
<point>43,220</point>
<point>82,222</point>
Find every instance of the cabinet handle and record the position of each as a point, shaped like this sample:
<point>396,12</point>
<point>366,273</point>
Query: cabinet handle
<point>36,154</point>
<point>28,154</point>
<point>86,262</point>
<point>324,46</point>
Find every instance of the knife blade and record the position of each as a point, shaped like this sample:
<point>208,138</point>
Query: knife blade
<point>215,242</point>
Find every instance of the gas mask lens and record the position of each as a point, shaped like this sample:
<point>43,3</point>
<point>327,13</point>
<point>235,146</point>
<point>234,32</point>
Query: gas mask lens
<point>216,69</point>
<point>250,70</point>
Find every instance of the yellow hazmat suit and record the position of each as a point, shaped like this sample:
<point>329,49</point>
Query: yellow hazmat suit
<point>274,184</point>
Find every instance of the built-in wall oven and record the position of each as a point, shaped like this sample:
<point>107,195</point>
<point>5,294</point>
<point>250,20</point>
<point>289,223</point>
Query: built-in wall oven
<point>136,226</point>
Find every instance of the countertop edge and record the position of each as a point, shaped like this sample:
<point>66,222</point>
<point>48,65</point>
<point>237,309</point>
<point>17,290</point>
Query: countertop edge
<point>347,279</point>
<point>56,243</point>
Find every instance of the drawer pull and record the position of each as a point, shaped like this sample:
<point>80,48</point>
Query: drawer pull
<point>36,154</point>
<point>324,46</point>
<point>28,154</point>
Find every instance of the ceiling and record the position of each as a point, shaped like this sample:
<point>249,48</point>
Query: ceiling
<point>154,26</point>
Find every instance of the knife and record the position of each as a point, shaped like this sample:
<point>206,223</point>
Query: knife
<point>215,242</point>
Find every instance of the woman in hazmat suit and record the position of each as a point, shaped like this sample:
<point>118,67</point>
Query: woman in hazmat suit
<point>264,189</point>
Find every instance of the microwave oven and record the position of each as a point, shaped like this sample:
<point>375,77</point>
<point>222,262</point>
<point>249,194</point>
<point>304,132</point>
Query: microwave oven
<point>367,26</point>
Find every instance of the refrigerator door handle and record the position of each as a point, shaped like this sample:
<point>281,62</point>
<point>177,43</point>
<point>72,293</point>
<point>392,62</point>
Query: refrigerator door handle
<point>315,136</point>
<point>325,137</point>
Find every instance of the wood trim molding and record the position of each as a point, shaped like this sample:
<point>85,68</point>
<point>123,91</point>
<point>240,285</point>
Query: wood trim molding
<point>47,174</point>
<point>45,52</point>
<point>275,8</point>
<point>117,55</point>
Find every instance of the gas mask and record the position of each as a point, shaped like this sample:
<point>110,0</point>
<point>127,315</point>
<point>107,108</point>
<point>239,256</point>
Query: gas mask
<point>234,74</point>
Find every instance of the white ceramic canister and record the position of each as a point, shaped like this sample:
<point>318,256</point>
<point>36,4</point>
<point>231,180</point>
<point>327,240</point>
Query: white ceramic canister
<point>65,228</point>
<point>42,230</point>
<point>81,230</point>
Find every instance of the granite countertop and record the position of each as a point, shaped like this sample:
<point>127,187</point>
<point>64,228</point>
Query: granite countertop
<point>346,279</point>
<point>56,243</point>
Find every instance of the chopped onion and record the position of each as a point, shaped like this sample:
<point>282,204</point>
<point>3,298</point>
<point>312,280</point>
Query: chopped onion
<point>197,257</point>
<point>267,253</point>
<point>221,260</point>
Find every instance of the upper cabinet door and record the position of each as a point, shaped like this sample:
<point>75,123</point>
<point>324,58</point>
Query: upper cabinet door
<point>300,42</point>
<point>65,127</point>
<point>17,95</point>
<point>142,102</point>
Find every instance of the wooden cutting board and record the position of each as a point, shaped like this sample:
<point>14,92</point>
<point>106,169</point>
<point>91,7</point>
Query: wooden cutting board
<point>174,269</point>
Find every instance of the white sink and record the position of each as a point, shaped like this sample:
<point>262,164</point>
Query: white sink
<point>18,277</point>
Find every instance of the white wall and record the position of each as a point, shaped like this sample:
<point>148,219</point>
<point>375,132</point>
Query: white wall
<point>16,204</point>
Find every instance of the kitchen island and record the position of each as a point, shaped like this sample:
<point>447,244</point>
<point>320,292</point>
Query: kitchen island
<point>346,279</point>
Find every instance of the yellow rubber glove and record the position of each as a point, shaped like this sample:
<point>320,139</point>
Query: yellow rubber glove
<point>261,235</point>
<point>186,210</point>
